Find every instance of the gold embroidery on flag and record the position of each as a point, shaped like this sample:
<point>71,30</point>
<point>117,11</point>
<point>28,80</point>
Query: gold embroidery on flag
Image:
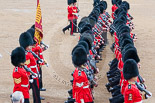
<point>37,36</point>
<point>38,15</point>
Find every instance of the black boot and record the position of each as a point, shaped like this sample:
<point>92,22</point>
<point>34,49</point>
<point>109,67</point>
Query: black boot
<point>42,98</point>
<point>63,31</point>
<point>66,28</point>
<point>70,92</point>
<point>108,86</point>
<point>42,89</point>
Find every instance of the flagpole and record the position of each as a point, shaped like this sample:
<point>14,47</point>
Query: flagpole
<point>37,2</point>
<point>78,4</point>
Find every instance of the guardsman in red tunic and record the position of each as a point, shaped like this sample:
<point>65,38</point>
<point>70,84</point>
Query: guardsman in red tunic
<point>26,41</point>
<point>114,7</point>
<point>81,85</point>
<point>130,72</point>
<point>130,53</point>
<point>20,75</point>
<point>72,16</point>
<point>38,50</point>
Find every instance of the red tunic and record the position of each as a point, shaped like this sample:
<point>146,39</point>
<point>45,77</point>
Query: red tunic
<point>21,81</point>
<point>124,83</point>
<point>70,11</point>
<point>132,94</point>
<point>90,52</point>
<point>81,89</point>
<point>31,63</point>
<point>75,11</point>
<point>39,51</point>
<point>120,64</point>
<point>114,8</point>
<point>116,39</point>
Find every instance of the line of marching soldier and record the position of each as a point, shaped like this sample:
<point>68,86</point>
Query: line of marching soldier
<point>28,60</point>
<point>86,53</point>
<point>125,83</point>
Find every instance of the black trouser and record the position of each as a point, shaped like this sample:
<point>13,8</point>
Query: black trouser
<point>40,79</point>
<point>26,101</point>
<point>72,25</point>
<point>67,27</point>
<point>35,92</point>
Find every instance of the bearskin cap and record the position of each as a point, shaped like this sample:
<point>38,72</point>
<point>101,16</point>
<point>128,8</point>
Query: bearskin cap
<point>130,69</point>
<point>18,56</point>
<point>25,40</point>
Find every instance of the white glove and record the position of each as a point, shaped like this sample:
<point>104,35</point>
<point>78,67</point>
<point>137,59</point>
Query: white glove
<point>46,47</point>
<point>147,96</point>
<point>31,80</point>
<point>97,70</point>
<point>35,76</point>
<point>40,61</point>
<point>46,64</point>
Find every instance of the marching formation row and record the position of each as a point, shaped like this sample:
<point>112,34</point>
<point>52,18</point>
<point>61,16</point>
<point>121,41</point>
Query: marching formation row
<point>125,83</point>
<point>27,74</point>
<point>86,53</point>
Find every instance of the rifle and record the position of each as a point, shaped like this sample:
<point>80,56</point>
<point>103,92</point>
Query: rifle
<point>46,46</point>
<point>107,14</point>
<point>140,79</point>
<point>92,62</point>
<point>90,77</point>
<point>29,70</point>
<point>36,56</point>
<point>95,30</point>
<point>111,27</point>
<point>141,88</point>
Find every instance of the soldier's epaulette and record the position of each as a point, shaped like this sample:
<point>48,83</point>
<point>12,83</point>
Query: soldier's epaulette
<point>129,86</point>
<point>26,52</point>
<point>72,73</point>
<point>16,70</point>
<point>79,73</point>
